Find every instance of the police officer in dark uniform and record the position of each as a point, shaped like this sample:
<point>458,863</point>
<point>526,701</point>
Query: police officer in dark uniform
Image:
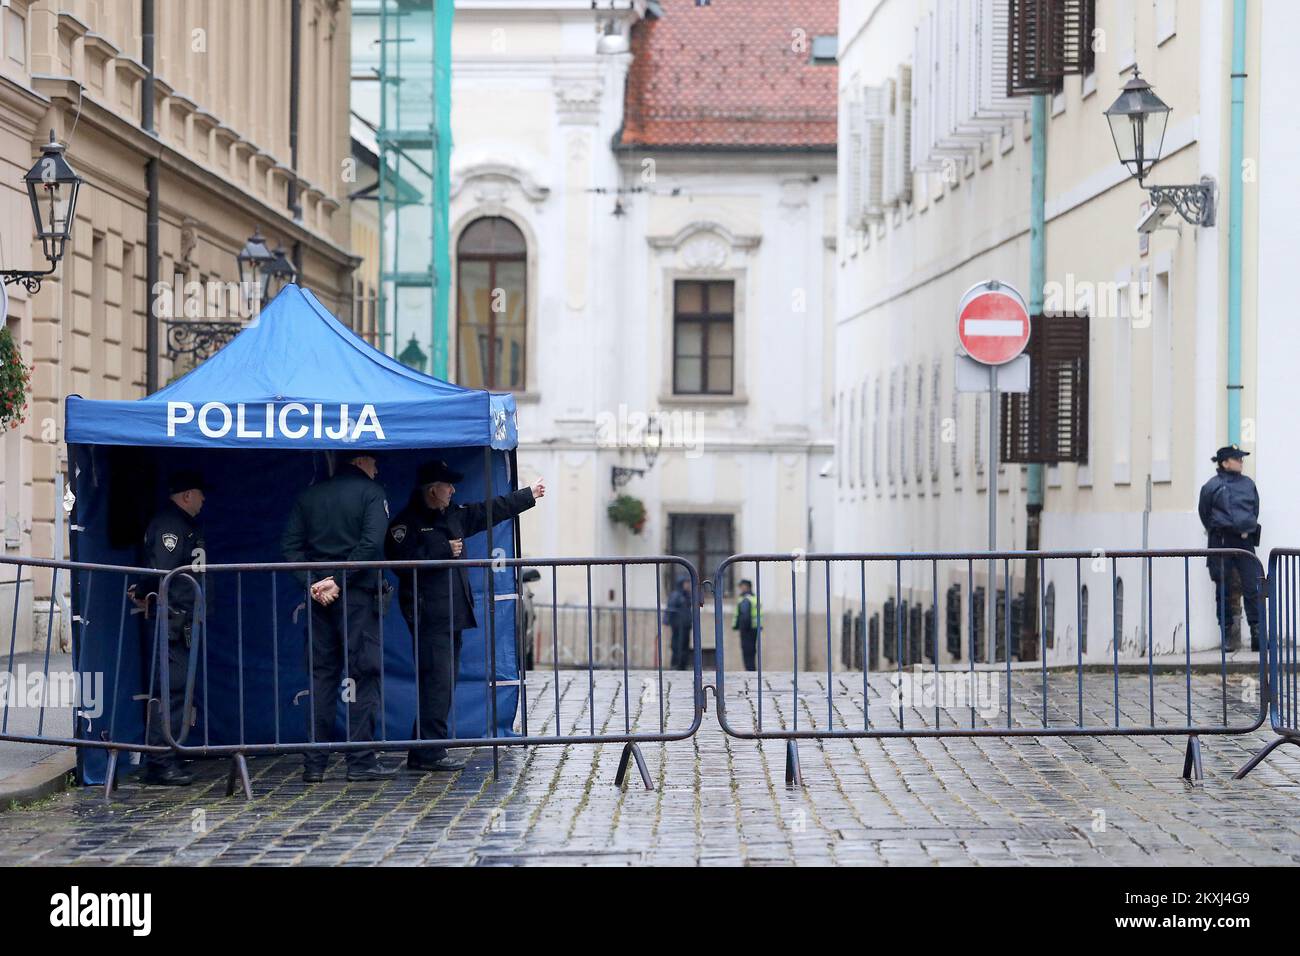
<point>431,527</point>
<point>343,519</point>
<point>1229,510</point>
<point>173,539</point>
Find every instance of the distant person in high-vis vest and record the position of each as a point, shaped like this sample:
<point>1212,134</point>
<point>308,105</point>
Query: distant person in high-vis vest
<point>746,622</point>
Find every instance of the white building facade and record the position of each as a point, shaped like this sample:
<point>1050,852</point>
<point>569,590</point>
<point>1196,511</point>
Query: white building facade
<point>936,175</point>
<point>626,278</point>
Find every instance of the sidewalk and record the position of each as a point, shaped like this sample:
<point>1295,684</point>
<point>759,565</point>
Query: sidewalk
<point>31,771</point>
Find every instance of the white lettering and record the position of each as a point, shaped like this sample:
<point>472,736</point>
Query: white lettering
<point>342,429</point>
<point>131,910</point>
<point>240,430</point>
<point>297,431</point>
<point>368,421</point>
<point>178,413</point>
<point>207,429</point>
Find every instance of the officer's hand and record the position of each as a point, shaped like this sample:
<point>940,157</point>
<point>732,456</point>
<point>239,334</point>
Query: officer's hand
<point>135,598</point>
<point>539,488</point>
<point>325,592</point>
<point>457,546</point>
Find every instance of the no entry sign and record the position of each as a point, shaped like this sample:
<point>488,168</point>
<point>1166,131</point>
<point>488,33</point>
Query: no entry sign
<point>993,323</point>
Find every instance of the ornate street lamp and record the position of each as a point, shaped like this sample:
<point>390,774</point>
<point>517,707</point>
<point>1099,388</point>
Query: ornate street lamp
<point>1137,121</point>
<point>258,268</point>
<point>279,273</point>
<point>252,261</point>
<point>52,187</point>
<point>654,435</point>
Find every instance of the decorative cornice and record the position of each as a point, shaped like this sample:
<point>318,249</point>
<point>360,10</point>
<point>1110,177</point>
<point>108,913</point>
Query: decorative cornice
<point>18,101</point>
<point>577,99</point>
<point>704,227</point>
<point>66,94</point>
<point>492,179</point>
<point>67,23</point>
<point>126,64</point>
<point>100,44</point>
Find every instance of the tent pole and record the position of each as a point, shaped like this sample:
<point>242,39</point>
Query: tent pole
<point>491,673</point>
<point>521,650</point>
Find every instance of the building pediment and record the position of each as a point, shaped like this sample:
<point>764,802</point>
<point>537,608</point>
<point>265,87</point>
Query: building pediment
<point>492,181</point>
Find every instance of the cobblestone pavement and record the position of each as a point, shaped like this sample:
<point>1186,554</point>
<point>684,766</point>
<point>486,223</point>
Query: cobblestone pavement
<point>721,800</point>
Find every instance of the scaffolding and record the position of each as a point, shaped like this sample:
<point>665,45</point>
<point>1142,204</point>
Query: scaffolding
<point>409,55</point>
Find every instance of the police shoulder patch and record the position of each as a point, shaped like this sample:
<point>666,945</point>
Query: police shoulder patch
<point>169,541</point>
<point>399,533</point>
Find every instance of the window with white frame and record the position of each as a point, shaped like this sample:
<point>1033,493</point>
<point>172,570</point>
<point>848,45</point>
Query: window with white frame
<point>936,385</point>
<point>1122,390</point>
<point>875,435</point>
<point>918,417</point>
<point>890,433</point>
<point>1162,374</point>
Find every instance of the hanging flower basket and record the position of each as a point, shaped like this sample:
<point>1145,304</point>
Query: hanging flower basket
<point>15,379</point>
<point>627,510</point>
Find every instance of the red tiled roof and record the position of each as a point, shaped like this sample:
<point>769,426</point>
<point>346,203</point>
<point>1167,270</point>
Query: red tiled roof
<point>733,74</point>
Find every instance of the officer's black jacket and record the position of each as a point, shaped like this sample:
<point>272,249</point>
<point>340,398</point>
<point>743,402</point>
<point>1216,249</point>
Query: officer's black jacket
<point>342,519</point>
<point>1229,504</point>
<point>171,541</point>
<point>421,533</point>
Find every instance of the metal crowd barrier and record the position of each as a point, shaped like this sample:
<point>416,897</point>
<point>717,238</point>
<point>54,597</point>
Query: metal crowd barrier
<point>1283,664</point>
<point>18,590</point>
<point>622,722</point>
<point>924,654</point>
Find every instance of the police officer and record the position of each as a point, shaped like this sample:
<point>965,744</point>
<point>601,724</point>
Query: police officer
<point>679,619</point>
<point>343,519</point>
<point>438,604</point>
<point>1229,510</point>
<point>173,539</point>
<point>746,622</point>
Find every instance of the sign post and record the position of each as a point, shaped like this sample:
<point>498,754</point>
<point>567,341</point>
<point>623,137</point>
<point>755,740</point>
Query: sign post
<point>993,329</point>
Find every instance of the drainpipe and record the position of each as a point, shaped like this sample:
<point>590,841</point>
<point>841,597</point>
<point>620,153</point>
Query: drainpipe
<point>295,72</point>
<point>1037,279</point>
<point>151,201</point>
<point>1234,219</point>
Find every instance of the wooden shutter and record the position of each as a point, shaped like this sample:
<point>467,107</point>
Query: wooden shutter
<point>1049,424</point>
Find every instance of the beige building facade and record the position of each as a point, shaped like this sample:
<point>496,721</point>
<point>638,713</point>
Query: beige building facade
<point>223,144</point>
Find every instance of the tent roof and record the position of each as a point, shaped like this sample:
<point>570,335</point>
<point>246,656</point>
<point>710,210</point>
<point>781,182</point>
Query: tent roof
<point>296,377</point>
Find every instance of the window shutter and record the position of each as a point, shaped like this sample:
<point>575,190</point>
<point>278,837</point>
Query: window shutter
<point>853,171</point>
<point>1049,424</point>
<point>874,116</point>
<point>1046,40</point>
<point>903,137</point>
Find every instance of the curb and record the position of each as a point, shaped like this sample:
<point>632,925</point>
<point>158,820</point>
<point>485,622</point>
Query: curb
<point>37,781</point>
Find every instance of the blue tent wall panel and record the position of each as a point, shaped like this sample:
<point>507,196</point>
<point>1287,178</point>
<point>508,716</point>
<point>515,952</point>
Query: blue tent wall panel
<point>120,481</point>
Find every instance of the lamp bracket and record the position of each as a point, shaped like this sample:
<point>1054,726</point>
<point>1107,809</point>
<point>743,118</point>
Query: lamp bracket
<point>1194,203</point>
<point>31,281</point>
<point>198,338</point>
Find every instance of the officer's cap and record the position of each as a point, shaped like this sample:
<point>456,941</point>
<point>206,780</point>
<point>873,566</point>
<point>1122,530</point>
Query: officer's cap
<point>1228,451</point>
<point>437,470</point>
<point>186,479</point>
<point>745,581</point>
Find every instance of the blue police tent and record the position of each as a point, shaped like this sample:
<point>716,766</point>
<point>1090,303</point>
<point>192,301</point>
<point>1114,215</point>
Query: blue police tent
<point>264,418</point>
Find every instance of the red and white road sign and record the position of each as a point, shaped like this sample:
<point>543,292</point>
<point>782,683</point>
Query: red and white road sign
<point>993,323</point>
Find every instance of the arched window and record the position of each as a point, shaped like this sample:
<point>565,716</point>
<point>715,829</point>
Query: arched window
<point>492,305</point>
